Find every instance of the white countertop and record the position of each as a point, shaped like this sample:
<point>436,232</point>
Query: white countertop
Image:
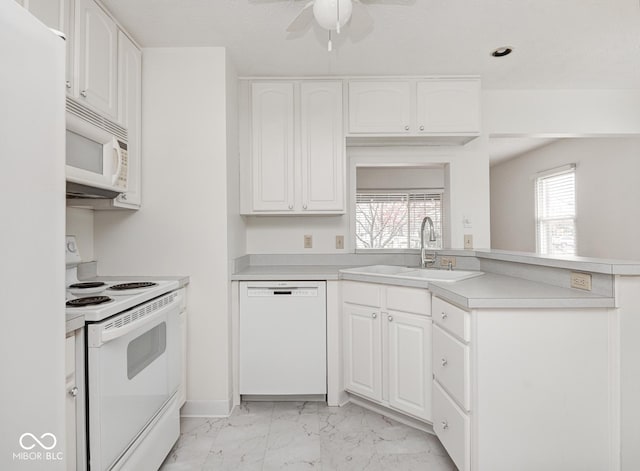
<point>486,291</point>
<point>288,272</point>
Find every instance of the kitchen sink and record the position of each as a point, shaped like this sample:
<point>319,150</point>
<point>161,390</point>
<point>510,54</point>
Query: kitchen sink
<point>412,273</point>
<point>433,274</point>
<point>385,270</point>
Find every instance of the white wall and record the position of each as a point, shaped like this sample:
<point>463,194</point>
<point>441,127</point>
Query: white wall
<point>561,112</point>
<point>183,226</point>
<point>372,178</point>
<point>607,196</point>
<point>80,224</point>
<point>32,338</point>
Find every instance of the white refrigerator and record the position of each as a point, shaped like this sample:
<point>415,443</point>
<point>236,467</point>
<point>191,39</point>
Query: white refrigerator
<point>32,210</point>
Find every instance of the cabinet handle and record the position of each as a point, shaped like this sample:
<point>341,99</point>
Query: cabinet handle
<point>304,206</point>
<point>123,196</point>
<point>83,93</point>
<point>290,206</point>
<point>421,128</point>
<point>445,425</point>
<point>374,315</point>
<point>68,84</point>
<point>390,318</point>
<point>73,391</point>
<point>444,362</point>
<point>444,315</point>
<point>406,128</point>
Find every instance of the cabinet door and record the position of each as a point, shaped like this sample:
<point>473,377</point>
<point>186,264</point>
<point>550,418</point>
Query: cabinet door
<point>448,106</point>
<point>272,152</point>
<point>56,14</point>
<point>98,44</point>
<point>380,107</point>
<point>70,402</point>
<point>322,146</point>
<point>129,113</point>
<point>362,351</point>
<point>409,347</point>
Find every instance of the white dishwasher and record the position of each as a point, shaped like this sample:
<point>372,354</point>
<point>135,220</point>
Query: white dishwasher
<point>283,338</point>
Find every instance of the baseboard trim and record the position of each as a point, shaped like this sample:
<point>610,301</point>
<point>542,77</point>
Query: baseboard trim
<point>221,408</point>
<point>397,416</point>
<point>284,398</point>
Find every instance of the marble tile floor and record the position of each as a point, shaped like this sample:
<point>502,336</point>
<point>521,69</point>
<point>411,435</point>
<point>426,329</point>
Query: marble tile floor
<point>296,436</point>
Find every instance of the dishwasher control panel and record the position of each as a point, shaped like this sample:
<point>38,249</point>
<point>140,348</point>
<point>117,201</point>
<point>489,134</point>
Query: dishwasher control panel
<point>269,292</point>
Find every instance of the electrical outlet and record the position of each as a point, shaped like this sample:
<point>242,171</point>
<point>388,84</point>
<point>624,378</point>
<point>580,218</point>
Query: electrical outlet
<point>468,241</point>
<point>339,242</point>
<point>308,241</point>
<point>444,261</point>
<point>581,281</point>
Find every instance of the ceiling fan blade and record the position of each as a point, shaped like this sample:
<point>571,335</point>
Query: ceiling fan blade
<point>303,20</point>
<point>361,22</point>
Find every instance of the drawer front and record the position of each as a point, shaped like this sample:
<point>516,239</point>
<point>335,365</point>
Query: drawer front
<point>451,318</point>
<point>452,426</point>
<point>365,294</point>
<point>414,300</point>
<point>451,366</point>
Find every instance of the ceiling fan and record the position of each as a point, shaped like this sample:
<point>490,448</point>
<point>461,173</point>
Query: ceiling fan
<point>333,15</point>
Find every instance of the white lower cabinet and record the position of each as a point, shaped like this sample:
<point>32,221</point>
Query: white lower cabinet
<point>526,389</point>
<point>388,351</point>
<point>70,401</point>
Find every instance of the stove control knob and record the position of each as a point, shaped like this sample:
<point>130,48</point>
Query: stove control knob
<point>71,246</point>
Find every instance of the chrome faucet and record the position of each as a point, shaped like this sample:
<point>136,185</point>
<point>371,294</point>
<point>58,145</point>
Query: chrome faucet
<point>425,258</point>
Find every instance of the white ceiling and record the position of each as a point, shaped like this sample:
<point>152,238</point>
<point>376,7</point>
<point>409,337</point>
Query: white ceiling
<point>557,43</point>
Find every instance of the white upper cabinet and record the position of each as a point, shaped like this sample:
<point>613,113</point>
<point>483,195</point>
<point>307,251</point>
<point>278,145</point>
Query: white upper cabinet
<point>297,148</point>
<point>379,107</point>
<point>448,109</point>
<point>56,14</point>
<point>98,49</point>
<point>448,106</point>
<point>272,167</point>
<point>322,146</point>
<point>129,114</point>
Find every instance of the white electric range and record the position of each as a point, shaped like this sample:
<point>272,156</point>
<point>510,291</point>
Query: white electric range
<point>133,357</point>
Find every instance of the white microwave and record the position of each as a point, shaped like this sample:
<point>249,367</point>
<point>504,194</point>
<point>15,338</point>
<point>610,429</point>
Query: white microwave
<point>96,154</point>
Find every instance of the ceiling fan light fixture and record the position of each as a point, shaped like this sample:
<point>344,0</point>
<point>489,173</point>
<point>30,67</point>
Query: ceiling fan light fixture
<point>332,14</point>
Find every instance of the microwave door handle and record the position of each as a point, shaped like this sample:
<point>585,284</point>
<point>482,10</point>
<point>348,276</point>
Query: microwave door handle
<point>109,335</point>
<point>118,156</point>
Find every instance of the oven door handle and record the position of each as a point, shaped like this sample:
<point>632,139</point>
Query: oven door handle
<point>112,334</point>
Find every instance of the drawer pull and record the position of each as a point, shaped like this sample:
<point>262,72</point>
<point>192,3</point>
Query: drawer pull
<point>374,315</point>
<point>445,425</point>
<point>444,315</point>
<point>390,318</point>
<point>444,362</point>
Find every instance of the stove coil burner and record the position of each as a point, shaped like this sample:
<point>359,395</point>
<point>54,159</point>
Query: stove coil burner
<point>88,301</point>
<point>87,285</point>
<point>135,285</point>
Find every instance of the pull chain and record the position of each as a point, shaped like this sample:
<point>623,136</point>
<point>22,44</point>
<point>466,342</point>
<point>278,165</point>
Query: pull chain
<point>329,45</point>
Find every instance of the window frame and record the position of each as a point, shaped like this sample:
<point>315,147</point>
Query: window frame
<point>554,172</point>
<point>407,191</point>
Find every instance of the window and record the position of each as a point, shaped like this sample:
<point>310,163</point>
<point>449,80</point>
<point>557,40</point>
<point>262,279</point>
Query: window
<point>556,211</point>
<point>391,219</point>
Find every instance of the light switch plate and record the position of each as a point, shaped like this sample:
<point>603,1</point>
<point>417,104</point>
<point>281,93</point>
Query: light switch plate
<point>308,241</point>
<point>339,242</point>
<point>581,281</point>
<point>468,241</point>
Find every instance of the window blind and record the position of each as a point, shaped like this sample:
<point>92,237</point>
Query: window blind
<point>392,219</point>
<point>556,212</point>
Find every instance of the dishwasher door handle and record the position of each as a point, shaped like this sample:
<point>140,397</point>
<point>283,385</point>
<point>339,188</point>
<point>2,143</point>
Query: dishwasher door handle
<point>282,293</point>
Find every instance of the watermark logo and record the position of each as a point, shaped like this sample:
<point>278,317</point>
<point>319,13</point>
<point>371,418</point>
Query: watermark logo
<point>42,444</point>
<point>32,446</point>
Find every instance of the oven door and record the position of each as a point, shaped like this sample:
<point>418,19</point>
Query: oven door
<point>133,371</point>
